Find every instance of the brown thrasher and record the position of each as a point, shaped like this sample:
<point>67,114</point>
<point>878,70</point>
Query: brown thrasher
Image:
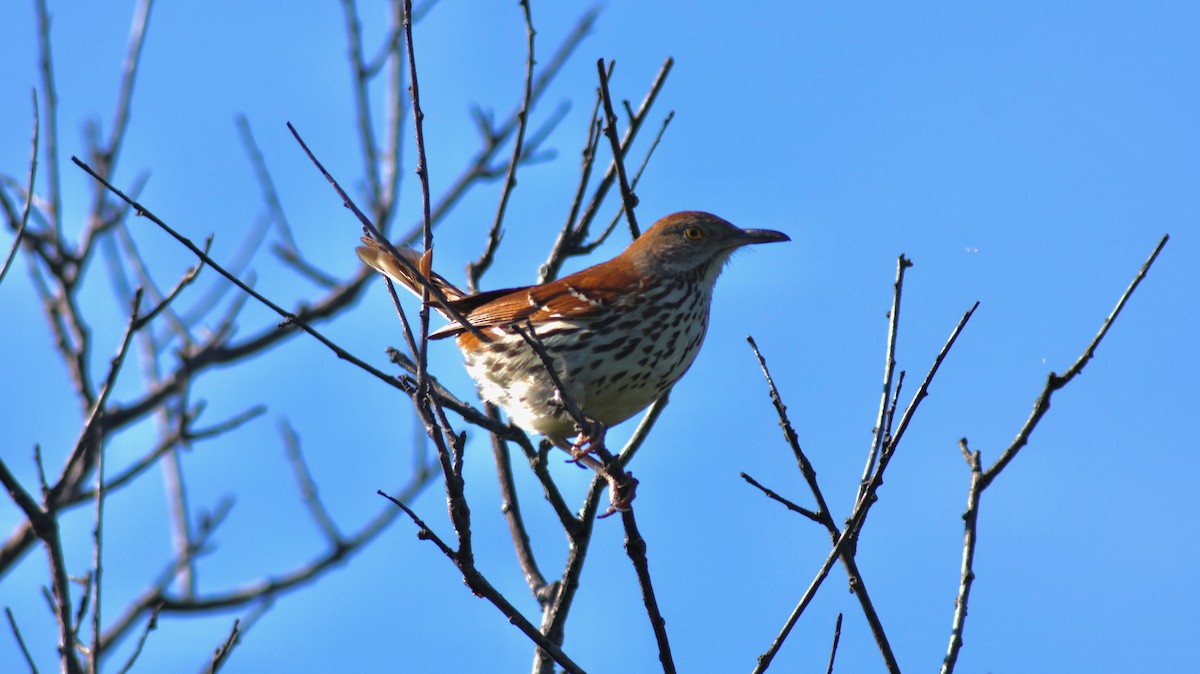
<point>619,334</point>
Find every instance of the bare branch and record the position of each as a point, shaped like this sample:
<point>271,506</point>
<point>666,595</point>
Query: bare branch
<point>1055,382</point>
<point>308,488</point>
<point>882,428</point>
<point>129,70</point>
<point>267,185</point>
<point>12,623</point>
<point>54,183</point>
<point>151,625</point>
<point>476,269</point>
<point>635,547</point>
<point>482,588</point>
<point>222,652</point>
<point>771,494</point>
<point>574,234</point>
<point>628,199</point>
<point>837,635</point>
<point>981,479</point>
<point>33,162</point>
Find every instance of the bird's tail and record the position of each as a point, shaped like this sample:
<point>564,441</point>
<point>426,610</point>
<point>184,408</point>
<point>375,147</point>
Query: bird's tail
<point>375,255</point>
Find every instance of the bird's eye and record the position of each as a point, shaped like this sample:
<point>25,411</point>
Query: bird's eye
<point>693,233</point>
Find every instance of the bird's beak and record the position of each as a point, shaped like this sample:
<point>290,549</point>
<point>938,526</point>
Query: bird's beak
<point>749,236</point>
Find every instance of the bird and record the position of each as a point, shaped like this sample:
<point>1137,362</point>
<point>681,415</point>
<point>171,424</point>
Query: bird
<point>618,334</point>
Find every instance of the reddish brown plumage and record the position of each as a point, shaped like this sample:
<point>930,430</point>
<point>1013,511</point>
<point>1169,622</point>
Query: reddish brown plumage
<point>619,333</point>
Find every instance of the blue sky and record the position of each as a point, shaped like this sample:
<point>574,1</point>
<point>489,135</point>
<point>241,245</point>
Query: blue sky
<point>1028,156</point>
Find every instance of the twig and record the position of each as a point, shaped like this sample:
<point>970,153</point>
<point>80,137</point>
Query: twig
<point>45,526</point>
<point>33,162</point>
<point>789,434</point>
<point>151,625</point>
<point>476,269</point>
<point>426,285</point>
<point>764,660</point>
<point>129,70</point>
<point>628,199</point>
<point>222,652</point>
<point>362,102</point>
<point>270,196</point>
<point>837,635</point>
<point>967,572</point>
<point>574,234</point>
<point>414,95</point>
<point>510,505</point>
<point>1055,382</point>
<point>54,183</point>
<point>481,587</point>
<point>889,366</point>
<point>981,479</point>
<point>771,494</point>
<point>290,319</point>
<point>158,596</point>
<point>587,248</point>
<point>635,547</point>
<point>843,543</point>
<point>12,622</point>
<point>889,448</point>
<point>479,166</point>
<point>569,236</point>
<point>308,488</point>
<point>845,539</point>
<point>97,557</point>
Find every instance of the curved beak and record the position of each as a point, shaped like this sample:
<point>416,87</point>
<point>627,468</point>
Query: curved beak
<point>749,236</point>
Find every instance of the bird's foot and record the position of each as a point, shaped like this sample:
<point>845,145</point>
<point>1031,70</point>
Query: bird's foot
<point>588,441</point>
<point>620,494</point>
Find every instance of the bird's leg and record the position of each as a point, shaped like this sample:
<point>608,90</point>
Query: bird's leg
<point>590,439</point>
<point>622,485</point>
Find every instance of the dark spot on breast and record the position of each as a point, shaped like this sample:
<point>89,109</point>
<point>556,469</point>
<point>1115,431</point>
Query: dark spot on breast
<point>601,348</point>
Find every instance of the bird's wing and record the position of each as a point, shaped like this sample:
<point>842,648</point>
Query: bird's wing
<point>590,294</point>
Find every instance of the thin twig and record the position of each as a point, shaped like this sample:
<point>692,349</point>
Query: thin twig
<point>12,622</point>
<point>889,367</point>
<point>151,625</point>
<point>481,587</point>
<point>981,479</point>
<point>476,269</point>
<point>773,495</point>
<point>1055,382</point>
<point>510,505</point>
<point>845,539</point>
<point>764,660</point>
<point>54,183</point>
<point>267,185</point>
<point>97,558</point>
<point>628,198</point>
<point>967,571</point>
<point>587,248</point>
<point>222,652</point>
<point>575,234</point>
<point>290,319</point>
<point>308,487</point>
<point>129,70</point>
<point>480,166</point>
<point>362,102</point>
<point>837,635</point>
<point>426,286</point>
<point>33,162</point>
<point>277,584</point>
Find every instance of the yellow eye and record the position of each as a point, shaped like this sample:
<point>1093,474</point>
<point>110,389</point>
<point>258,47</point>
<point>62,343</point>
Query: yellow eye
<point>693,233</point>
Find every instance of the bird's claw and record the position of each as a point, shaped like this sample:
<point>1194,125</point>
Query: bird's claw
<point>620,495</point>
